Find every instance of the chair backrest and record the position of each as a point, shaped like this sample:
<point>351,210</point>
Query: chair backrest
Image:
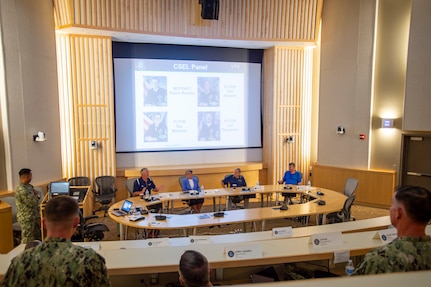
<point>79,181</point>
<point>105,185</point>
<point>11,200</point>
<point>182,177</point>
<point>129,185</point>
<point>347,207</point>
<point>350,186</point>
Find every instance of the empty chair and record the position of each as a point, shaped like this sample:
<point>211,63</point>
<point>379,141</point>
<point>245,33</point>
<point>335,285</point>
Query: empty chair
<point>79,181</point>
<point>343,215</point>
<point>350,186</point>
<point>129,185</point>
<point>11,200</point>
<point>105,192</point>
<point>89,231</point>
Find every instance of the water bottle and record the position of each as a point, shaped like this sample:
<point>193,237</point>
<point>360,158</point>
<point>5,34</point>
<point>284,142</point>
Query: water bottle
<point>349,267</point>
<point>202,188</point>
<point>257,183</point>
<point>309,184</point>
<point>147,193</point>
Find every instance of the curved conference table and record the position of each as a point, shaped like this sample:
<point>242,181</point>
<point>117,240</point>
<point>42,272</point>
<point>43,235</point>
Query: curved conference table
<point>334,202</point>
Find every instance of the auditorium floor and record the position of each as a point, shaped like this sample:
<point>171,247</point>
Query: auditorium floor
<point>358,212</point>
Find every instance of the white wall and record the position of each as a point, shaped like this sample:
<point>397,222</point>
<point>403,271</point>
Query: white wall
<point>346,82</point>
<point>29,98</point>
<point>417,115</point>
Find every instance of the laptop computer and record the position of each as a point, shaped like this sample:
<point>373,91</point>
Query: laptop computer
<point>125,209</point>
<point>58,188</point>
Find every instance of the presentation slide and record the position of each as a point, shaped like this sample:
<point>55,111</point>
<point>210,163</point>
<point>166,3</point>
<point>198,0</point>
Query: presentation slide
<point>184,105</point>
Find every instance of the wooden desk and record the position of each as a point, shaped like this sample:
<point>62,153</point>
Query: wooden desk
<point>334,202</point>
<point>6,234</point>
<point>86,205</point>
<point>140,259</point>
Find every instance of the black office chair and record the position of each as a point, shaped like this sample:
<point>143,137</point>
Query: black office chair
<point>79,181</point>
<point>105,192</point>
<point>344,214</point>
<point>89,231</point>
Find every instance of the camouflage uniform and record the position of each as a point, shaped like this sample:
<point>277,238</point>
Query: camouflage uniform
<point>57,262</point>
<point>403,254</point>
<point>28,212</point>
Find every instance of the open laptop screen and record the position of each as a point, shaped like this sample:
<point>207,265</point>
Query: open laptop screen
<point>59,188</point>
<point>127,205</point>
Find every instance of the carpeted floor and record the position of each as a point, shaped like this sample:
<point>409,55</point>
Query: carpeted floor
<point>358,212</point>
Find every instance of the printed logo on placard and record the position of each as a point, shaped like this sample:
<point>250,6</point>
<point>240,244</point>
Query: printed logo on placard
<point>150,243</point>
<point>231,254</point>
<point>276,232</point>
<point>316,241</point>
<point>192,240</point>
<point>384,238</point>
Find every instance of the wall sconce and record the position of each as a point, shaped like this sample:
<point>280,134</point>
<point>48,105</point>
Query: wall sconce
<point>40,137</point>
<point>341,130</point>
<point>387,123</point>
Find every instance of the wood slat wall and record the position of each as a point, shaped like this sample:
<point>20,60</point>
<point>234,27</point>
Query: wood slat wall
<point>284,20</point>
<point>86,105</point>
<point>287,106</point>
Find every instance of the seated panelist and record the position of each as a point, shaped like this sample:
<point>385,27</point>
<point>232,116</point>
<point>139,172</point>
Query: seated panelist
<point>236,180</point>
<point>189,183</point>
<point>291,176</point>
<point>144,183</point>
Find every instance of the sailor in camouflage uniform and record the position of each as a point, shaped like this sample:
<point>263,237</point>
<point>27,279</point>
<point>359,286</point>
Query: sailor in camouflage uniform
<point>58,262</point>
<point>411,251</point>
<point>27,202</point>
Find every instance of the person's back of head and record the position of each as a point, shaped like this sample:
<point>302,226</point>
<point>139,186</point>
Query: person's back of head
<point>416,201</point>
<point>61,216</point>
<point>194,269</point>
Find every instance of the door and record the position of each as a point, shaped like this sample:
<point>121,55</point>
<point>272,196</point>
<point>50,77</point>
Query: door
<point>417,160</point>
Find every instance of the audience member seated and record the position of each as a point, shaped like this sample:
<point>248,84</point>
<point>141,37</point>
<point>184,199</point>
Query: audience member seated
<point>236,180</point>
<point>411,251</point>
<point>194,270</point>
<point>291,176</point>
<point>192,183</point>
<point>58,262</point>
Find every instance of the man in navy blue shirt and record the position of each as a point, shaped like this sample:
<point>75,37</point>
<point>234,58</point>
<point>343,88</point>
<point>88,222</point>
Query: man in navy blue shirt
<point>144,183</point>
<point>236,180</point>
<point>291,176</point>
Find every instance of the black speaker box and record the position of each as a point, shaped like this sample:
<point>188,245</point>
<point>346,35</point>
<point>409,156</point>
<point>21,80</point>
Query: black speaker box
<point>210,9</point>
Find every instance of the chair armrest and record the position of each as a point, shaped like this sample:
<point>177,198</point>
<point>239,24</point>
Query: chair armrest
<point>90,217</point>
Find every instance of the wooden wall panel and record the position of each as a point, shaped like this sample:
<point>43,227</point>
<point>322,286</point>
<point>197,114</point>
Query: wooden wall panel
<point>293,20</point>
<point>86,104</point>
<point>287,106</point>
<point>375,186</point>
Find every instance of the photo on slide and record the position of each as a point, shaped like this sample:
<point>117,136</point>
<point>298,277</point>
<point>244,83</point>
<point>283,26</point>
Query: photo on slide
<point>208,91</point>
<point>209,126</point>
<point>155,129</point>
<point>155,91</point>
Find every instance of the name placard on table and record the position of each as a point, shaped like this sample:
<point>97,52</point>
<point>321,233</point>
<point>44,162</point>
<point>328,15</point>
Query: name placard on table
<point>282,232</point>
<point>156,242</point>
<point>386,235</point>
<point>199,240</point>
<point>243,252</point>
<point>327,239</point>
